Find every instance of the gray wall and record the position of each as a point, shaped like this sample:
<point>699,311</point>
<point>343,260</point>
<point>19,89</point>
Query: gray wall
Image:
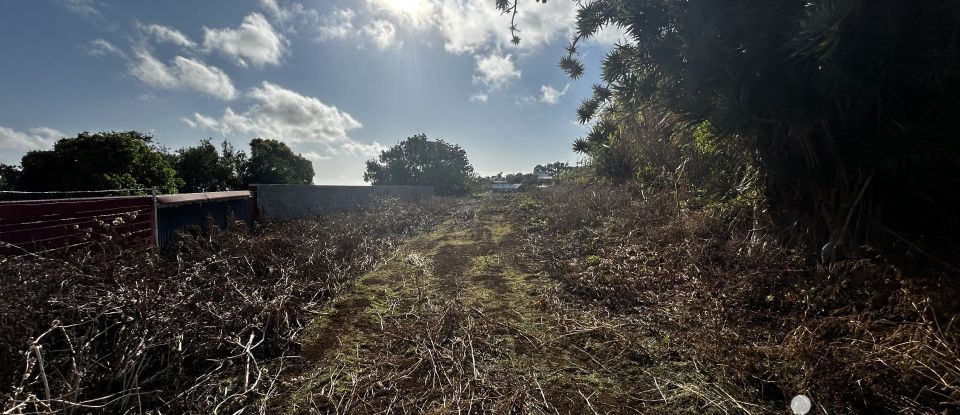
<point>293,201</point>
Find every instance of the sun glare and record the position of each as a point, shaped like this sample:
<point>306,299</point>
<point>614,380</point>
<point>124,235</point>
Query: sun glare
<point>415,10</point>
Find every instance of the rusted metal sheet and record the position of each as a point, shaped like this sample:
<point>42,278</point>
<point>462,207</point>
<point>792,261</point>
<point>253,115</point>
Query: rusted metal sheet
<point>47,225</point>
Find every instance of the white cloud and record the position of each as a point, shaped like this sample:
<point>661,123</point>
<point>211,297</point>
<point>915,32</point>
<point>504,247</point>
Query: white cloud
<point>291,16</point>
<point>381,33</point>
<point>479,97</point>
<point>100,47</point>
<point>286,115</point>
<point>254,41</point>
<point>495,70</point>
<point>550,95</point>
<point>202,122</point>
<point>13,143</point>
<point>85,8</point>
<point>183,73</point>
<point>274,9</point>
<point>472,26</point>
<point>414,13</point>
<point>337,25</point>
<point>608,36</point>
<point>314,156</point>
<point>167,34</point>
<point>468,26</point>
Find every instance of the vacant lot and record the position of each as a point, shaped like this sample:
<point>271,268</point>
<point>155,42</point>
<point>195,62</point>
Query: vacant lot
<point>600,302</point>
<point>459,321</point>
<point>565,301</point>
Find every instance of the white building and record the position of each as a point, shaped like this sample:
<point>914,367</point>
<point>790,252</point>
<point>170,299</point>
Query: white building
<point>501,186</point>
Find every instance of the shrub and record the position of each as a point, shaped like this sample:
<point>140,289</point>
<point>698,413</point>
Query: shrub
<point>208,326</point>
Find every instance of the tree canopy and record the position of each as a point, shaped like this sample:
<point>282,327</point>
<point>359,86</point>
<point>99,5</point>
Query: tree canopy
<point>845,107</point>
<point>9,176</point>
<point>203,169</point>
<point>105,160</point>
<point>552,169</point>
<point>273,162</point>
<point>420,161</point>
<point>128,160</point>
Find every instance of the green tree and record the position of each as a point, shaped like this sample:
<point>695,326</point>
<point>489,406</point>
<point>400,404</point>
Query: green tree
<point>553,169</point>
<point>845,106</point>
<point>105,160</point>
<point>528,179</point>
<point>203,169</point>
<point>9,177</point>
<point>420,161</point>
<point>273,162</point>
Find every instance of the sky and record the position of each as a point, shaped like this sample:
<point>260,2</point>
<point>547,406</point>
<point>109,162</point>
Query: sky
<point>337,80</point>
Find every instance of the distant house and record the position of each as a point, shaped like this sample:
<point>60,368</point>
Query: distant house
<point>501,186</point>
<point>544,178</point>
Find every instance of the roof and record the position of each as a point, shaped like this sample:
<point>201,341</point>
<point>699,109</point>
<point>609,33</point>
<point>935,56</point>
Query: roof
<point>182,198</point>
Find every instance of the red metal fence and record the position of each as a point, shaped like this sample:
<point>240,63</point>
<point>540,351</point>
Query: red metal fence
<point>39,226</point>
<point>46,225</point>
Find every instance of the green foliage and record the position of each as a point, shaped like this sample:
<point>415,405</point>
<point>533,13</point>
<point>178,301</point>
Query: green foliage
<point>419,161</point>
<point>271,162</point>
<point>845,107</point>
<point>527,203</point>
<point>528,179</point>
<point>554,169</point>
<point>203,169</point>
<point>9,176</point>
<point>106,160</point>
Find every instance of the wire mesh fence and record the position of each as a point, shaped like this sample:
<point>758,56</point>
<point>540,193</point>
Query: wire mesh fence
<point>46,225</point>
<point>14,196</point>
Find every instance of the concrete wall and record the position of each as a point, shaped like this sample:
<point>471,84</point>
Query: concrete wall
<point>294,201</point>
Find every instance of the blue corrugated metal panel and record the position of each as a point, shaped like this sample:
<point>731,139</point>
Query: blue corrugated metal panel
<point>173,218</point>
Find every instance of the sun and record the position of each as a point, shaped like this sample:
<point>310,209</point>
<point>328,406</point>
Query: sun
<point>415,10</point>
<point>404,4</point>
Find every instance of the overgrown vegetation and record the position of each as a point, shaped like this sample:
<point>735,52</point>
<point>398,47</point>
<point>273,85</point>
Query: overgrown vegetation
<point>741,138</point>
<point>842,106</point>
<point>755,323</point>
<point>208,327</point>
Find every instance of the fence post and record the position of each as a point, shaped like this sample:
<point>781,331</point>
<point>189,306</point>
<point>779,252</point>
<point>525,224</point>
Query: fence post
<point>153,220</point>
<point>253,208</point>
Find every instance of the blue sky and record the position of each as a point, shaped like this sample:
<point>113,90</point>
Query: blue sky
<point>338,80</point>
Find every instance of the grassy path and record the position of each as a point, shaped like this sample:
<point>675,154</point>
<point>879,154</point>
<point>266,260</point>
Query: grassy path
<point>458,322</point>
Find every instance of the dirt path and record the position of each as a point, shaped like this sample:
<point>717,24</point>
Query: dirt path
<point>458,322</point>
